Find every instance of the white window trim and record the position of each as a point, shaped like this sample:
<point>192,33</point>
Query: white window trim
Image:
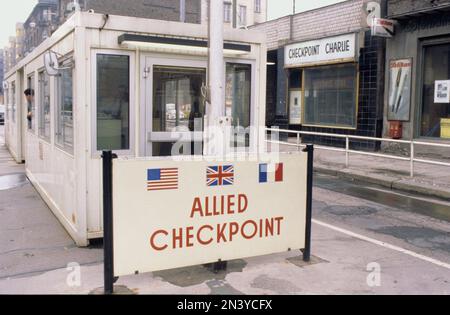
<point>67,149</point>
<point>151,61</point>
<point>131,152</point>
<point>42,137</point>
<point>254,110</point>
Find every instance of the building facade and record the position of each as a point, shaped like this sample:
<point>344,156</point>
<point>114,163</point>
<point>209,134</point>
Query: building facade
<point>2,69</point>
<point>325,73</point>
<point>168,10</point>
<point>239,13</point>
<point>40,25</point>
<point>418,69</point>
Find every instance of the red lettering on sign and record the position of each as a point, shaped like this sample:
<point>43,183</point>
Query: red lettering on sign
<point>199,235</point>
<point>152,240</point>
<point>242,203</point>
<point>197,207</point>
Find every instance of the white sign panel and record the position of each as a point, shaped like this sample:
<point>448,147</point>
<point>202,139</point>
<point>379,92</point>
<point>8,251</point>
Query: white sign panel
<point>332,49</point>
<point>171,214</point>
<point>442,92</point>
<point>383,27</point>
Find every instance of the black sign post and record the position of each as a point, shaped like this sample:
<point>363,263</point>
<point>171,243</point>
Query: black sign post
<point>309,199</point>
<point>108,247</point>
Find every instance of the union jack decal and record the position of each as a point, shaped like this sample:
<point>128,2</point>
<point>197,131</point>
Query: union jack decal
<point>220,175</point>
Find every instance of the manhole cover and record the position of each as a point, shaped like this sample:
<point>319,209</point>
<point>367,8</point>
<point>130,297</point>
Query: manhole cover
<point>12,181</point>
<point>351,210</point>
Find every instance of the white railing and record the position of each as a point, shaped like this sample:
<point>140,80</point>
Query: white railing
<point>412,159</point>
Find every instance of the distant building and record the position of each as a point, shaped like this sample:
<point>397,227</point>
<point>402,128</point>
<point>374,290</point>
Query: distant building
<point>2,57</point>
<point>248,12</point>
<point>40,25</point>
<point>20,41</point>
<point>10,54</point>
<point>151,9</point>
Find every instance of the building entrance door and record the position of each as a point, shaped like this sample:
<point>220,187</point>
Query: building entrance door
<point>175,106</point>
<point>435,110</point>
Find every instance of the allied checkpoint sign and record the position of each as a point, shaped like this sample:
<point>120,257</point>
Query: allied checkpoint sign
<point>171,214</point>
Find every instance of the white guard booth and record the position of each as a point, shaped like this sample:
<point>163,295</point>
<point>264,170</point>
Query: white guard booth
<point>130,85</point>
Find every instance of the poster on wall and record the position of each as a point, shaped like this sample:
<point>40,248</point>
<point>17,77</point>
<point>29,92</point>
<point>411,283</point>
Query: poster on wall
<point>295,107</point>
<point>442,92</point>
<point>400,73</point>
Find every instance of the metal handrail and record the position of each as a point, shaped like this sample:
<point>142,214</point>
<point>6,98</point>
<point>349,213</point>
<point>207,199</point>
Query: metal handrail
<point>412,159</point>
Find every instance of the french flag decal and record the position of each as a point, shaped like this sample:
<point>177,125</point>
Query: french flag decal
<point>271,173</point>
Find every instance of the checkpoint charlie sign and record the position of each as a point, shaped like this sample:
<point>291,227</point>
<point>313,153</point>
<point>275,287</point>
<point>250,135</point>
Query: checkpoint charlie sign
<point>326,50</point>
<point>171,214</point>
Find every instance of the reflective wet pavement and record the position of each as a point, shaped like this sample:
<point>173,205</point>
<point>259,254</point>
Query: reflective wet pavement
<point>11,181</point>
<point>435,208</point>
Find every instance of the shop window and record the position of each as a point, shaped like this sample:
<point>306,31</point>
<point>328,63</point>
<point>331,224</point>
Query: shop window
<point>331,96</point>
<point>435,113</point>
<point>64,109</point>
<point>44,106</point>
<point>238,100</point>
<point>13,101</point>
<point>30,103</point>
<point>113,102</point>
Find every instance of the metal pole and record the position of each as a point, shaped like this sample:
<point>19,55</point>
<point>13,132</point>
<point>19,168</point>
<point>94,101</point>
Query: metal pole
<point>347,154</point>
<point>108,248</point>
<point>214,146</point>
<point>234,13</point>
<point>412,159</point>
<point>183,11</point>
<point>309,199</point>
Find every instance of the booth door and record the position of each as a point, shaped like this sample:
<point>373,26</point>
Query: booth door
<point>175,107</point>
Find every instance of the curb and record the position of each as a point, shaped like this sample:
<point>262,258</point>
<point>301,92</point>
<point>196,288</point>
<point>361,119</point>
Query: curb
<point>393,183</point>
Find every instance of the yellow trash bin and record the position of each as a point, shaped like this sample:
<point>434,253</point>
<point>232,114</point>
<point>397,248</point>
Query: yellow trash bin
<point>445,128</point>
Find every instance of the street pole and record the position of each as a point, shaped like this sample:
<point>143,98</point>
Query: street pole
<point>215,122</point>
<point>183,11</point>
<point>234,13</point>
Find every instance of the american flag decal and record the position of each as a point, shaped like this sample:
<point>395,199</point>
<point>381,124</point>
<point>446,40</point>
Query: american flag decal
<point>220,175</point>
<point>162,179</point>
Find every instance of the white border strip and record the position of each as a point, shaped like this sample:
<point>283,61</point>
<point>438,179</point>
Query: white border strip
<point>383,244</point>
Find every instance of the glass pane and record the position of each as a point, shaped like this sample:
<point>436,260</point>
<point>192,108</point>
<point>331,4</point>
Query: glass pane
<point>44,105</point>
<point>238,97</point>
<point>31,106</point>
<point>330,96</point>
<point>13,101</point>
<point>177,99</point>
<point>64,135</point>
<point>436,67</point>
<point>113,102</point>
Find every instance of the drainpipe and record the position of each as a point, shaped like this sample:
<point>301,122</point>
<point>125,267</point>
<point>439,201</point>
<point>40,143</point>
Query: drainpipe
<point>234,13</point>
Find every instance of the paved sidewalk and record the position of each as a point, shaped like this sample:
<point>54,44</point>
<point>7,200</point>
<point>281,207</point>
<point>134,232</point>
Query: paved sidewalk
<point>429,180</point>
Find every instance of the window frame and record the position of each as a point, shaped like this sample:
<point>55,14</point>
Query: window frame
<point>13,101</point>
<point>355,127</point>
<point>41,107</point>
<point>254,110</point>
<point>64,62</point>
<point>227,8</point>
<point>32,76</point>
<point>131,152</point>
<point>242,9</point>
<point>258,6</point>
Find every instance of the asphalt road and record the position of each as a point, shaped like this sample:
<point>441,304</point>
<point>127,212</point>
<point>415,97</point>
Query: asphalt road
<point>357,228</point>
